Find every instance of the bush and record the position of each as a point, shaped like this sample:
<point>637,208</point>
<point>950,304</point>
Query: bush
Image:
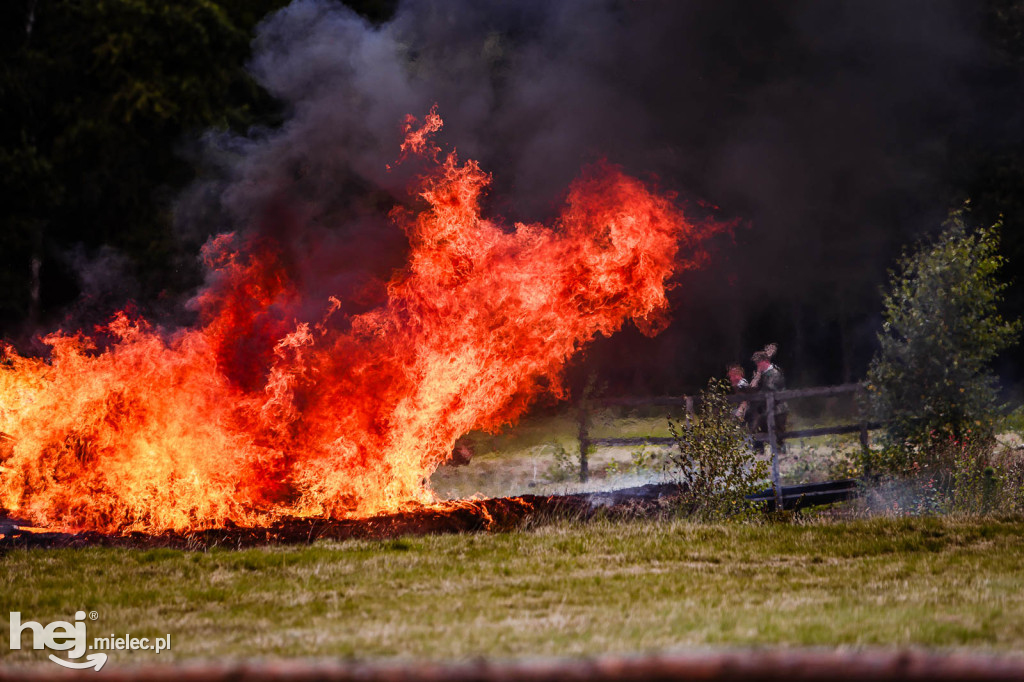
<point>1010,469</point>
<point>563,467</point>
<point>970,476</point>
<point>930,381</point>
<point>713,460</point>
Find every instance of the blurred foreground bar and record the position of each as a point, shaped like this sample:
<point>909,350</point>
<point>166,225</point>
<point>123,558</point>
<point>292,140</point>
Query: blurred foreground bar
<point>749,666</point>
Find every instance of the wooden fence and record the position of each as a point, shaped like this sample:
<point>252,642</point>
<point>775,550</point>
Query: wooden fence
<point>586,442</point>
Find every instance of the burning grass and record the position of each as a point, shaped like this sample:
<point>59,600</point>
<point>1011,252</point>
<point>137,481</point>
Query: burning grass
<point>286,401</point>
<point>562,589</point>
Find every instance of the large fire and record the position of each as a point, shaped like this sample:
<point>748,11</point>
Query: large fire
<point>250,416</point>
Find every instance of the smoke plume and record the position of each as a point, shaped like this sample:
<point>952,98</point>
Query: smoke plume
<point>822,126</point>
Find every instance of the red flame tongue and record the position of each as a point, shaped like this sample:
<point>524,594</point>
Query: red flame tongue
<point>252,415</point>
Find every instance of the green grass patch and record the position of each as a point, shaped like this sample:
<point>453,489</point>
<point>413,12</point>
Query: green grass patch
<point>565,589</point>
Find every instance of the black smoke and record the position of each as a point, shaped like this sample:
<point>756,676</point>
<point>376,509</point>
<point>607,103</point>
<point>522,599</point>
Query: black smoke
<point>822,127</point>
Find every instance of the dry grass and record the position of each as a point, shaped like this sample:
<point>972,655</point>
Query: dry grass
<point>565,589</point>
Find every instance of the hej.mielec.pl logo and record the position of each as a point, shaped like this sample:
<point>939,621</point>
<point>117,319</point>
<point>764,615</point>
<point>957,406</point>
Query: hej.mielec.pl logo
<point>72,638</point>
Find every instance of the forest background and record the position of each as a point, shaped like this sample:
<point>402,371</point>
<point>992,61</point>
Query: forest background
<point>833,134</point>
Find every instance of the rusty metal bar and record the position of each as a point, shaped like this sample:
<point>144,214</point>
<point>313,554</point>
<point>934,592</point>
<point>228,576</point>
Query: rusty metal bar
<point>748,666</point>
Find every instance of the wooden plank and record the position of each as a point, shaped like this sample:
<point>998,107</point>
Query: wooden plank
<point>619,442</point>
<point>662,400</point>
<point>788,435</point>
<point>684,400</point>
<point>792,499</point>
<point>791,394</point>
<point>687,402</point>
<point>831,430</point>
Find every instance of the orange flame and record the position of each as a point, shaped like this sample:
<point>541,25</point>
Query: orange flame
<point>252,415</point>
<point>417,140</point>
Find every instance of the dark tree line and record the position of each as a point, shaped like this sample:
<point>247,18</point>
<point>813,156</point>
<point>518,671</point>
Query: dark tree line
<point>100,102</point>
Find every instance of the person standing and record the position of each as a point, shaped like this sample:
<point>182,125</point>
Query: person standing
<point>768,379</point>
<point>740,385</point>
<point>736,378</point>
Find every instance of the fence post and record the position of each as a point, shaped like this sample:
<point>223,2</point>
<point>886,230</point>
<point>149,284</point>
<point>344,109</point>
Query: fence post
<point>688,402</point>
<point>774,444</point>
<point>865,443</point>
<point>584,438</point>
<point>865,449</point>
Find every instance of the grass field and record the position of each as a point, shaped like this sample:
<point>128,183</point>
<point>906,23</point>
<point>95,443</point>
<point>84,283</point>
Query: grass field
<point>563,589</point>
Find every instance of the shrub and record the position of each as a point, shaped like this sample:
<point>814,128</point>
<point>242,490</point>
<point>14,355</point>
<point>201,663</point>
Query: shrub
<point>930,380</point>
<point>972,475</point>
<point>713,459</point>
<point>968,478</point>
<point>563,467</point>
<point>1010,468</point>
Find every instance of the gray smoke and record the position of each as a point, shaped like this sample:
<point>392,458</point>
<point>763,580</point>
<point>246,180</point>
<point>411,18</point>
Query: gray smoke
<point>822,125</point>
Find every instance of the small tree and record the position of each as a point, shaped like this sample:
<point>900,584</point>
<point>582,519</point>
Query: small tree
<point>713,459</point>
<point>930,379</point>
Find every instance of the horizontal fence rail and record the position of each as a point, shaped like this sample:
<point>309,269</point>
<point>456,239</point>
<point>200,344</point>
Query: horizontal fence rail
<point>771,437</point>
<point>688,400</point>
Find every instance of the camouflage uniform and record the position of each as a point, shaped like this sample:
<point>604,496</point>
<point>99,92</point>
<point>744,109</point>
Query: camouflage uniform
<point>741,386</point>
<point>772,380</point>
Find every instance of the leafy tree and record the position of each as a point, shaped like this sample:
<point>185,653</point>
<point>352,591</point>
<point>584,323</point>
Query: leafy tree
<point>930,379</point>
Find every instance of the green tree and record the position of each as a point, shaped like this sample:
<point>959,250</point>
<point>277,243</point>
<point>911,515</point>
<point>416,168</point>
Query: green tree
<point>96,101</point>
<point>930,378</point>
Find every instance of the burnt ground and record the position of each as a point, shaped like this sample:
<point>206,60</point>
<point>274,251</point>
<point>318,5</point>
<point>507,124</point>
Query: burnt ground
<point>488,515</point>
